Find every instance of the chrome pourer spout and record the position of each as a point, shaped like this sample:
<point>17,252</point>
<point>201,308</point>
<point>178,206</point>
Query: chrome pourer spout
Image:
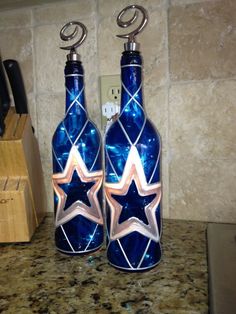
<point>73,55</point>
<point>131,44</point>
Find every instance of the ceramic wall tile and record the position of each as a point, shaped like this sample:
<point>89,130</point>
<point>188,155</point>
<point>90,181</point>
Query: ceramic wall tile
<point>109,47</point>
<point>15,18</point>
<point>50,111</point>
<point>32,110</point>
<point>47,175</point>
<point>202,40</point>
<point>203,189</point>
<point>17,44</point>
<point>189,75</point>
<point>183,2</point>
<point>152,40</point>
<point>165,184</point>
<point>95,115</point>
<point>156,105</point>
<point>64,12</point>
<point>113,7</point>
<point>50,60</point>
<point>24,4</point>
<point>202,120</point>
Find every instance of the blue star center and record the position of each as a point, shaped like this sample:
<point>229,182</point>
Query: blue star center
<point>76,190</point>
<point>133,204</point>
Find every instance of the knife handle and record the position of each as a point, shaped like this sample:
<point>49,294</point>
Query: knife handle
<point>2,124</point>
<point>2,127</point>
<point>4,95</point>
<point>17,85</point>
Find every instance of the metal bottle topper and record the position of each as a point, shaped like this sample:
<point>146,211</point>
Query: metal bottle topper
<point>132,45</point>
<point>73,55</point>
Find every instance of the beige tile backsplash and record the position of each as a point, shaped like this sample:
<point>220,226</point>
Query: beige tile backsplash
<point>202,40</point>
<point>209,113</point>
<point>16,43</point>
<point>64,12</point>
<point>202,189</point>
<point>188,48</point>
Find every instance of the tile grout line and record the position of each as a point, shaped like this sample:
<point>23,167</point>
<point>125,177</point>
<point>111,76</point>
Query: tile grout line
<point>208,80</point>
<point>168,105</point>
<point>24,27</point>
<point>34,70</point>
<point>189,82</point>
<point>36,6</point>
<point>98,17</point>
<point>97,110</point>
<point>50,93</point>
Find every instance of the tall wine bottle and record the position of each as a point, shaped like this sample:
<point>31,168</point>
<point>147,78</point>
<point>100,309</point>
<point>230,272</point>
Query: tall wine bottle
<point>132,170</point>
<point>77,165</point>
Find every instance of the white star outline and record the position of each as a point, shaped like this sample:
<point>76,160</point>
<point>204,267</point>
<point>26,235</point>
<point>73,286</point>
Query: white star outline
<point>93,212</point>
<point>133,171</point>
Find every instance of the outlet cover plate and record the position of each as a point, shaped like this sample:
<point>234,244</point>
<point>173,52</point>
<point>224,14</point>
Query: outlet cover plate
<point>109,94</point>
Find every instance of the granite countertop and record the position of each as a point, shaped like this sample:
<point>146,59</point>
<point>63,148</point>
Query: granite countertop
<point>35,278</point>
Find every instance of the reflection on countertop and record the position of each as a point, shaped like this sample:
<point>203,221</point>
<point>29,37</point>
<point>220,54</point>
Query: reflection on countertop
<point>35,278</point>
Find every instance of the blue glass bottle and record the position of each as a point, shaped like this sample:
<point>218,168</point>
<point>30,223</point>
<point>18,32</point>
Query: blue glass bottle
<point>77,170</point>
<point>132,177</point>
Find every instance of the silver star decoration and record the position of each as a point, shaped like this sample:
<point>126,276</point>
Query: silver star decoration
<point>93,212</point>
<point>133,171</point>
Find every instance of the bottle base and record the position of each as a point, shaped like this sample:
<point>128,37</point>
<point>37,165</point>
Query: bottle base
<point>71,253</point>
<point>135,270</point>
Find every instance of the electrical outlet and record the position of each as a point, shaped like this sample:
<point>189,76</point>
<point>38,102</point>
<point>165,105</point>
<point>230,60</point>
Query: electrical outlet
<point>114,93</point>
<point>110,98</point>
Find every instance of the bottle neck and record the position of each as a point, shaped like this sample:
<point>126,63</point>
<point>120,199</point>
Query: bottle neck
<point>74,83</point>
<point>131,80</point>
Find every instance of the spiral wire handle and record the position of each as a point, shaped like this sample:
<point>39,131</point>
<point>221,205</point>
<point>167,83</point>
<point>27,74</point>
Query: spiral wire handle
<point>72,35</point>
<point>124,24</point>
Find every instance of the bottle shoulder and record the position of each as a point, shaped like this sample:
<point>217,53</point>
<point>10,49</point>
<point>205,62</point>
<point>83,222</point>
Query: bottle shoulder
<point>94,126</point>
<point>152,127</point>
<point>58,129</point>
<point>113,131</point>
<point>67,130</point>
<point>148,131</point>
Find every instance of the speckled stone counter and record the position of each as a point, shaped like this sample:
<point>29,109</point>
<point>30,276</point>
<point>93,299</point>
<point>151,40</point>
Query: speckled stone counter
<point>35,278</point>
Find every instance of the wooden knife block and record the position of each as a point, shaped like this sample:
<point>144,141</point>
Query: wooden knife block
<point>22,192</point>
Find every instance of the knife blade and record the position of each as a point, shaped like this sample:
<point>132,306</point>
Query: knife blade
<point>4,95</point>
<point>17,85</point>
<point>2,124</point>
<point>4,99</point>
<point>13,70</point>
